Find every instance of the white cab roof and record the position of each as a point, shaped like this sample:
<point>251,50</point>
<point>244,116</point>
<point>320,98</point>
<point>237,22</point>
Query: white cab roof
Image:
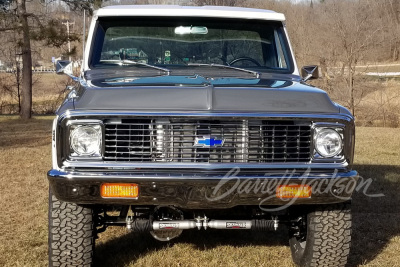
<point>189,11</point>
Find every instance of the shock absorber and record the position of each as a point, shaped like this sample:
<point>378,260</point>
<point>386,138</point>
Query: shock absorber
<point>255,225</point>
<point>144,225</point>
<point>181,224</point>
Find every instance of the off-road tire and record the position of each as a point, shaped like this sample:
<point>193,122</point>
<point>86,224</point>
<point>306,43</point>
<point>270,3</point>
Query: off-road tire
<point>71,234</point>
<point>327,239</point>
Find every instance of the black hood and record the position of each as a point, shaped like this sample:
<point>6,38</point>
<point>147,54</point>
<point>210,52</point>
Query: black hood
<point>195,93</point>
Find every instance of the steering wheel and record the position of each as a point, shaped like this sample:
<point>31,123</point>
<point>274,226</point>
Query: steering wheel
<point>252,60</point>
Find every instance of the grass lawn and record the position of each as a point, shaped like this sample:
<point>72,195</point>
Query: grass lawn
<point>25,158</point>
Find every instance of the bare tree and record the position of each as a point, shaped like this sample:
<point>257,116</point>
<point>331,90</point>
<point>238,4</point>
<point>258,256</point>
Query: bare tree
<point>351,37</point>
<point>29,26</point>
<point>26,53</point>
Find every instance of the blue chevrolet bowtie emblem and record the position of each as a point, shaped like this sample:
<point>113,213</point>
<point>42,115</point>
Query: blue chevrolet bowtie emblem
<point>207,141</point>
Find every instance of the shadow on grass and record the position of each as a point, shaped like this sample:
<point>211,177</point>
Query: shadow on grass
<point>375,219</point>
<point>128,248</point>
<point>375,222</point>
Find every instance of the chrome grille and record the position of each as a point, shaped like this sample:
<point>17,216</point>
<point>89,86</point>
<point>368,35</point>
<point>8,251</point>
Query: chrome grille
<point>183,140</point>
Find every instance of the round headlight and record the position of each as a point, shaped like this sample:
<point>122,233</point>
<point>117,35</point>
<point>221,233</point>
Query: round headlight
<point>328,142</point>
<point>85,140</point>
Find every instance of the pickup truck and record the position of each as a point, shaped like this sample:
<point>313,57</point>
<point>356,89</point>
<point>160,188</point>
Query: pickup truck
<point>187,117</point>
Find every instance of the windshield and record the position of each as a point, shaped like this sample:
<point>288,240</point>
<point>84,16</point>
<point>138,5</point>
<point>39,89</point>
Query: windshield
<point>176,43</point>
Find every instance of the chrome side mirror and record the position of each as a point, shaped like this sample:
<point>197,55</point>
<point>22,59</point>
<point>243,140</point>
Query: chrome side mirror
<point>65,67</point>
<point>309,72</point>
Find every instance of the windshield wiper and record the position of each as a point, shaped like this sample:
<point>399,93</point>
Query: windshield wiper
<point>131,62</point>
<point>225,67</point>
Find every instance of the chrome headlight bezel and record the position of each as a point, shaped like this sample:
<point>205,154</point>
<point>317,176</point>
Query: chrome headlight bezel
<point>92,125</point>
<point>335,129</point>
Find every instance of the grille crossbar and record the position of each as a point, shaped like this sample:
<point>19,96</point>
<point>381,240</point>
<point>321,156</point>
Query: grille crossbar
<point>207,141</point>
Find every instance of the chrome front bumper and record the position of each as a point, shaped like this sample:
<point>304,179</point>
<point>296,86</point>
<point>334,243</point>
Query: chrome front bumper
<point>202,190</point>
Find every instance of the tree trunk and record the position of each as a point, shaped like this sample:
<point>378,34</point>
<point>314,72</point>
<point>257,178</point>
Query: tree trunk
<point>342,69</point>
<point>324,68</point>
<point>395,53</point>
<point>26,88</point>
<point>351,88</point>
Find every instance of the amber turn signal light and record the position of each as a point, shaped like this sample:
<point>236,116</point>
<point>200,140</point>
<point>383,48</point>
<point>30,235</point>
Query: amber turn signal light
<point>119,190</point>
<point>293,191</point>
